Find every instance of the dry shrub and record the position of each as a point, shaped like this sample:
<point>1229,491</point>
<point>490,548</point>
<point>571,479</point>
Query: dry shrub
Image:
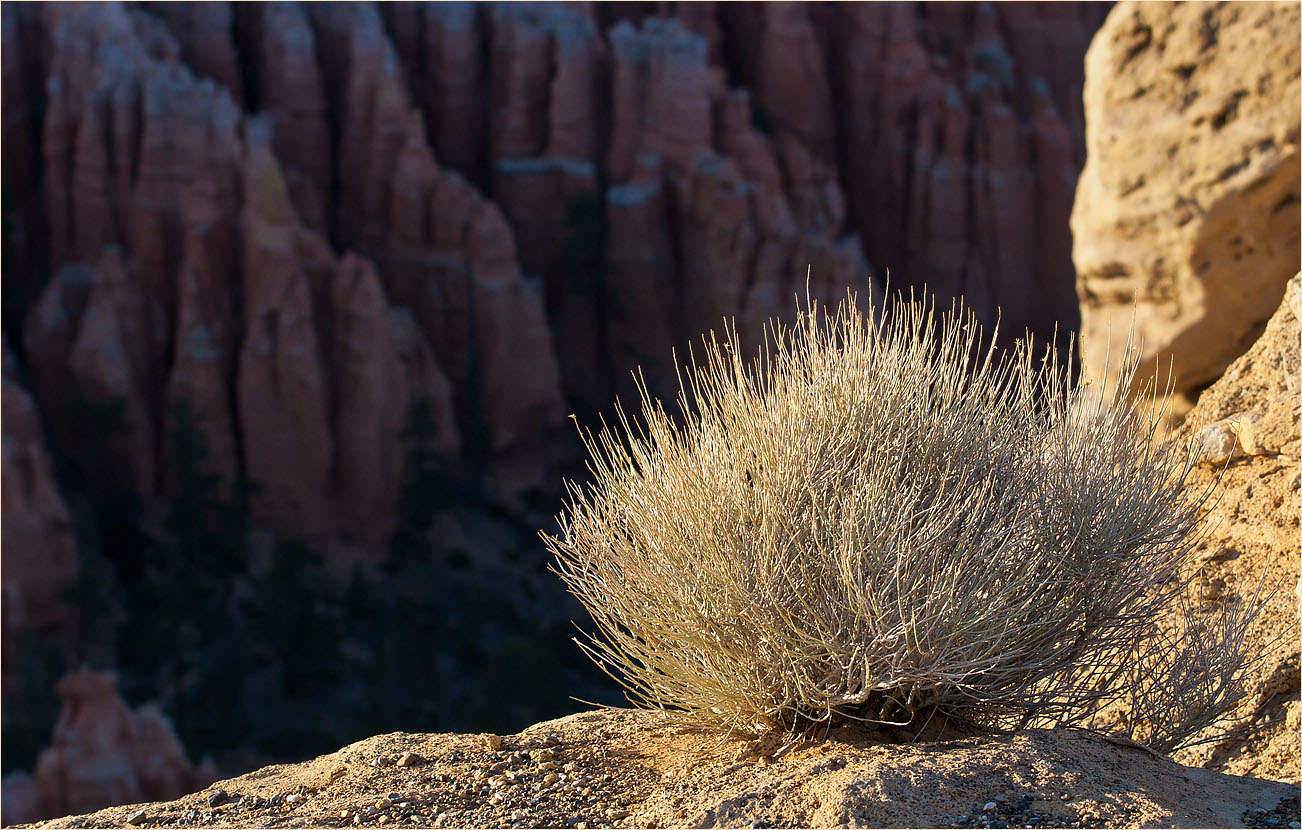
<point>888,521</point>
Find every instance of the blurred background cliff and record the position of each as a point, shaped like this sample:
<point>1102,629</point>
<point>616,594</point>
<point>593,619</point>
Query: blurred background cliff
<point>298,298</point>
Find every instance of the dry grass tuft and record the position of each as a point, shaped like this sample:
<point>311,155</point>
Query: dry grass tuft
<point>888,522</point>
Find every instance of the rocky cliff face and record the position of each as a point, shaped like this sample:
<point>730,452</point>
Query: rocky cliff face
<point>40,561</point>
<point>1248,423</point>
<point>300,222</point>
<point>1186,214</point>
<point>253,209</point>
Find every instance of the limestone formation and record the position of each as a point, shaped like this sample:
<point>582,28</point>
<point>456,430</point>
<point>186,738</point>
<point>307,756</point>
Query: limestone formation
<point>283,385</point>
<point>555,194</point>
<point>1186,214</point>
<point>40,554</point>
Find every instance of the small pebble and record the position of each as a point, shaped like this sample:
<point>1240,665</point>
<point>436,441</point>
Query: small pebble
<point>137,818</point>
<point>990,806</point>
<point>550,778</point>
<point>293,798</point>
<point>338,772</point>
<point>383,820</point>
<point>1066,796</point>
<point>493,742</point>
<point>217,797</point>
<point>344,814</point>
<point>410,759</point>
<point>616,815</point>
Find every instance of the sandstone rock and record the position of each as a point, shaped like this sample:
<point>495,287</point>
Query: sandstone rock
<point>957,149</point>
<point>1271,370</point>
<point>638,280</point>
<point>369,110</point>
<point>40,561</point>
<point>554,207</point>
<point>445,252</point>
<point>110,362</point>
<point>49,332</point>
<point>741,250</point>
<point>382,366</point>
<point>660,93</point>
<point>122,197</point>
<point>203,360</point>
<point>1254,407</point>
<point>1188,204</point>
<point>283,387</point>
<point>203,32</point>
<point>103,753</point>
<point>447,83</point>
<point>1255,512</point>
<point>288,83</point>
<point>784,60</point>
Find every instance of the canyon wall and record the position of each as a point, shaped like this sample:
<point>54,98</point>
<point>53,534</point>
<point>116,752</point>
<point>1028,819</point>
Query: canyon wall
<point>292,226</point>
<point>297,219</point>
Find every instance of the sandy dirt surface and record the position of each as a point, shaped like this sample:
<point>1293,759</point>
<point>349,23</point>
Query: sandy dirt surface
<point>624,768</point>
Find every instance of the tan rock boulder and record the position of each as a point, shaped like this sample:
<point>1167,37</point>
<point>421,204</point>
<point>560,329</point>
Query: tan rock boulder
<point>1186,214</point>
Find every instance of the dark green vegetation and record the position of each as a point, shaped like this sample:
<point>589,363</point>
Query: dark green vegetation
<point>251,645</point>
